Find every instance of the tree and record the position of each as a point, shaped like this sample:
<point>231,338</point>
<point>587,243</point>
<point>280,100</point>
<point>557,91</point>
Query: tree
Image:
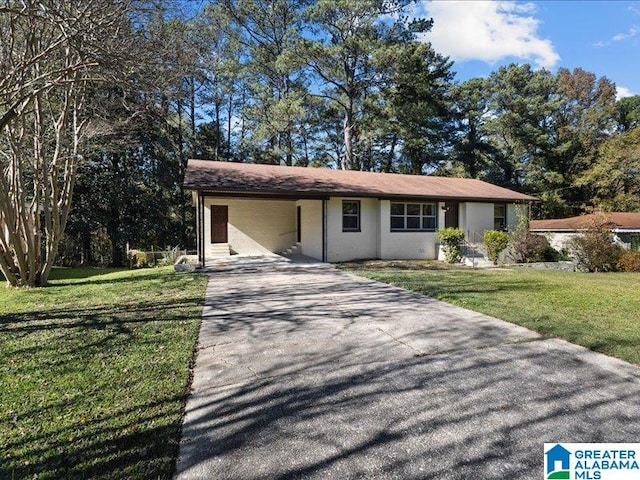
<point>473,149</point>
<point>615,178</point>
<point>347,35</point>
<point>521,106</point>
<point>51,52</point>
<point>418,105</point>
<point>128,189</point>
<point>164,92</point>
<point>264,34</point>
<point>582,118</point>
<point>219,82</point>
<point>628,112</point>
<point>534,131</point>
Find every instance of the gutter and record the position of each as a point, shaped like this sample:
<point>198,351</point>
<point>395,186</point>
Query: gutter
<point>315,195</point>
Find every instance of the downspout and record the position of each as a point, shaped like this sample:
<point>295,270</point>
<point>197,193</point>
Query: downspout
<point>324,230</point>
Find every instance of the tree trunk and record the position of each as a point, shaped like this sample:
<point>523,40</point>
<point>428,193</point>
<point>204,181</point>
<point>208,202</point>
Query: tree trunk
<point>41,98</point>
<point>472,166</point>
<point>86,256</point>
<point>216,152</point>
<point>347,128</point>
<point>388,167</point>
<point>229,115</point>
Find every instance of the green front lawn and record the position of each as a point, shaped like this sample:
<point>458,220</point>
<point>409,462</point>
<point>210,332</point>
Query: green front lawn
<point>93,372</point>
<point>600,311</point>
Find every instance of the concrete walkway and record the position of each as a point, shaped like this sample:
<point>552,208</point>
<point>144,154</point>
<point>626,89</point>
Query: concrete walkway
<point>310,372</point>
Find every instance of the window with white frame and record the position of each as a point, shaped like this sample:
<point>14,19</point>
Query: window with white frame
<point>351,215</point>
<point>408,217</point>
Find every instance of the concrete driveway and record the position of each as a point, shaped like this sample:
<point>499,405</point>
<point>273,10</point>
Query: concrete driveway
<point>309,372</point>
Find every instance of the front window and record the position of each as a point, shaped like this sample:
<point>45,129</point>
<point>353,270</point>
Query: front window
<point>500,216</point>
<point>350,215</point>
<point>406,217</point>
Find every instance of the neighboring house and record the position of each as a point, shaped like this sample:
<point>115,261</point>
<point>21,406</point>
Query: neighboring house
<point>337,215</point>
<point>625,227</point>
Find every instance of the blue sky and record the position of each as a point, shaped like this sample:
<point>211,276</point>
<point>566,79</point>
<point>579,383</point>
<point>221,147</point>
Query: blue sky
<point>600,36</point>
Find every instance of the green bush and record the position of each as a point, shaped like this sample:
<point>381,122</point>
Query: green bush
<point>139,258</point>
<point>450,239</point>
<point>169,257</point>
<point>595,252</point>
<point>495,242</point>
<point>629,261</point>
<point>527,247</point>
<point>531,248</point>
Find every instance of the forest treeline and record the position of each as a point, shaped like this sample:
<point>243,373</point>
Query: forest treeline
<point>329,83</point>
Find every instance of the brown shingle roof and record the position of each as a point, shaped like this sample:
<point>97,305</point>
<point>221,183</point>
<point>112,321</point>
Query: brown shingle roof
<point>625,220</point>
<point>252,179</point>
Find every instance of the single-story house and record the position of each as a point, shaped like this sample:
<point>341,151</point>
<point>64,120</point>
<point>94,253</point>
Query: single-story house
<point>337,215</point>
<point>624,226</point>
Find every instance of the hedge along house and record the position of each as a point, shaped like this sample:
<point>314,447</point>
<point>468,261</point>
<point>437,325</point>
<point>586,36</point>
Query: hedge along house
<point>337,215</point>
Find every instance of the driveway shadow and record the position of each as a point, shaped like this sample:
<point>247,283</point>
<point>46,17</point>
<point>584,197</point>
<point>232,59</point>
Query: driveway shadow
<point>320,374</point>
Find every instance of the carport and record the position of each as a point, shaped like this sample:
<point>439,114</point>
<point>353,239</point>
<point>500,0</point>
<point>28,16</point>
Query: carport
<point>256,226</point>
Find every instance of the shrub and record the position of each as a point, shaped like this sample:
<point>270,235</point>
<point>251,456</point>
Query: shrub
<point>629,261</point>
<point>495,242</point>
<point>536,248</point>
<point>169,257</point>
<point>450,239</point>
<point>139,258</point>
<point>527,247</point>
<point>595,252</point>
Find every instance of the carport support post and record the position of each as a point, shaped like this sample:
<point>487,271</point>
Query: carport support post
<point>200,228</point>
<point>324,230</point>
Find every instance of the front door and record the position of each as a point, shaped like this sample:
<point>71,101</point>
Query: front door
<point>219,219</point>
<point>451,214</point>
<point>299,224</point>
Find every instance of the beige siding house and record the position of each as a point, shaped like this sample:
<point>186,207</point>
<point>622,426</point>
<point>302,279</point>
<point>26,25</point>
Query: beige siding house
<point>335,215</point>
<point>624,228</point>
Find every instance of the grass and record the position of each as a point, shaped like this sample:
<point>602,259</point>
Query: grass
<point>600,311</point>
<point>93,373</point>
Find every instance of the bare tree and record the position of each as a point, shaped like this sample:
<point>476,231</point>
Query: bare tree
<point>51,52</point>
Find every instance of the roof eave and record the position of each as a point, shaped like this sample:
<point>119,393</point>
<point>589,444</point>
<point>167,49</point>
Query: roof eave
<point>583,229</point>
<point>325,194</point>
<point>555,230</point>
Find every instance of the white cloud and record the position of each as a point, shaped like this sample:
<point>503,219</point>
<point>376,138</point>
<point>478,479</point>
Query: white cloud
<point>622,92</point>
<point>633,31</point>
<point>487,31</point>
